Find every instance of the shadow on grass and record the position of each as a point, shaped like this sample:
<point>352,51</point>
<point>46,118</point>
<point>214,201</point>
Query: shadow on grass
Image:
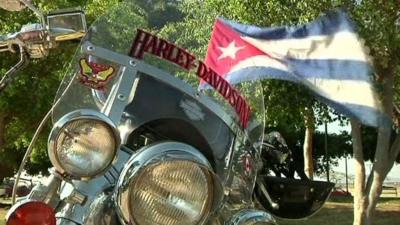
<point>339,211</point>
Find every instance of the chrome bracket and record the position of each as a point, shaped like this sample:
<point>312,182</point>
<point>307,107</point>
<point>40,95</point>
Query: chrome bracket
<point>121,94</point>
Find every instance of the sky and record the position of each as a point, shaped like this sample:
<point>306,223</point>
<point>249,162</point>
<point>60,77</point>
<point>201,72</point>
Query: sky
<point>394,174</point>
<point>335,128</point>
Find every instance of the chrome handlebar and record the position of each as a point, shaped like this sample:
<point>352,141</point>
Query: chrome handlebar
<point>34,41</point>
<point>6,43</point>
<point>30,42</point>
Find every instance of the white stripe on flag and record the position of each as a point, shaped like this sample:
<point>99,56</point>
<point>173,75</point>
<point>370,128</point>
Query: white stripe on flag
<point>259,61</point>
<point>346,91</point>
<point>342,45</point>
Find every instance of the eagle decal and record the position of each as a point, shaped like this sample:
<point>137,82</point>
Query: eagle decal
<point>95,75</point>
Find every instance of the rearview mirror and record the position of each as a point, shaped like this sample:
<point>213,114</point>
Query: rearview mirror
<point>67,24</point>
<point>12,5</point>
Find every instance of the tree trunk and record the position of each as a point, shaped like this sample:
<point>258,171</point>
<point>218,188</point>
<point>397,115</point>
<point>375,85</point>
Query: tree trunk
<point>360,199</point>
<point>5,171</point>
<point>2,129</point>
<point>382,165</point>
<point>376,179</point>
<point>383,160</point>
<point>308,143</point>
<point>307,151</point>
<point>366,196</point>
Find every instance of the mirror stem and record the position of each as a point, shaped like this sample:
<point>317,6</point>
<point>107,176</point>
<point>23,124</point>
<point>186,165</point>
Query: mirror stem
<point>35,10</point>
<point>9,76</point>
<point>273,204</point>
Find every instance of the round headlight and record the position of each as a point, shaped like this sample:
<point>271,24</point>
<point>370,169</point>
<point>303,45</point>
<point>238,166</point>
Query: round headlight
<point>83,144</point>
<point>177,190</point>
<point>167,183</point>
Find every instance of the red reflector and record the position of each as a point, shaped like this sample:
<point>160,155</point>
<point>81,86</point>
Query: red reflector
<point>31,213</point>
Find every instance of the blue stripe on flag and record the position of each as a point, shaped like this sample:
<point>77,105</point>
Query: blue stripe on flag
<point>331,69</point>
<point>329,24</point>
<point>324,69</point>
<point>366,115</point>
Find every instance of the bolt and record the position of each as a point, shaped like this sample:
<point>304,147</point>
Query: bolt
<point>121,97</point>
<point>90,48</point>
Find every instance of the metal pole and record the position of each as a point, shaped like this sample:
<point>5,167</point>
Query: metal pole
<point>326,152</point>
<point>347,181</point>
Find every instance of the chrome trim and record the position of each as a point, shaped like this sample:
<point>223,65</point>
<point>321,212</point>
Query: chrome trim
<point>92,189</point>
<point>76,197</point>
<point>250,216</point>
<point>63,221</point>
<point>264,190</point>
<point>47,192</point>
<point>99,98</point>
<point>102,211</point>
<point>155,153</point>
<point>122,92</point>
<point>72,116</point>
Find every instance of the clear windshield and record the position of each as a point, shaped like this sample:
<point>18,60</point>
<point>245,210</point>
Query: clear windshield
<point>117,30</point>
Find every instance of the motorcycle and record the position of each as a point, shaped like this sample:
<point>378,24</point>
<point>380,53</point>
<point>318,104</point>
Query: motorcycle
<point>136,141</point>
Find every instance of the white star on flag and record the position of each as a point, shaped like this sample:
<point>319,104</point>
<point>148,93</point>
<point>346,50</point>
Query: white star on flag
<point>229,51</point>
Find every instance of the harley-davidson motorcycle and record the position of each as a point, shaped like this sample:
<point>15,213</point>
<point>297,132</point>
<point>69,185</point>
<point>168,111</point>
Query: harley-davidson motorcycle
<point>136,142</point>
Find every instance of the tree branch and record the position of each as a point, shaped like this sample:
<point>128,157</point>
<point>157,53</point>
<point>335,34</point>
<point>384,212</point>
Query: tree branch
<point>395,149</point>
<point>396,115</point>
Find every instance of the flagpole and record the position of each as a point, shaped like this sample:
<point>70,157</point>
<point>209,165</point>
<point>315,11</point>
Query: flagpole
<point>347,182</point>
<point>326,152</point>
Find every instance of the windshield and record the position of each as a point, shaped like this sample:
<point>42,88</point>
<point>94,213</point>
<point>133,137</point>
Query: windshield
<point>123,30</point>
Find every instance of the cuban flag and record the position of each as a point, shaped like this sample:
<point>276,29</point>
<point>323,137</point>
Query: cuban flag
<point>325,55</point>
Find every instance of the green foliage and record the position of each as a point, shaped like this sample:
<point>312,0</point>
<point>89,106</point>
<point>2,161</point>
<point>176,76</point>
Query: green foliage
<point>338,145</point>
<point>378,22</point>
<point>189,25</point>
<point>31,95</point>
<point>369,142</point>
<point>378,25</point>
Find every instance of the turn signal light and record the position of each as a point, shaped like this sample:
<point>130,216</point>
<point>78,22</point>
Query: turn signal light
<point>31,213</point>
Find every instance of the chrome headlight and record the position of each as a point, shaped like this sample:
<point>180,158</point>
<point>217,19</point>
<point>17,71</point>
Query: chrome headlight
<point>252,217</point>
<point>168,183</point>
<point>83,144</point>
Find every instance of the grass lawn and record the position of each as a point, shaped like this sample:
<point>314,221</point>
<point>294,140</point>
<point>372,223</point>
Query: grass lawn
<point>340,212</point>
<point>335,212</point>
<point>2,215</point>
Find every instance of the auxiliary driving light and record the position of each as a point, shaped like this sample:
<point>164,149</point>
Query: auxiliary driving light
<point>31,213</point>
<point>83,144</point>
<point>168,183</point>
<point>252,217</point>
